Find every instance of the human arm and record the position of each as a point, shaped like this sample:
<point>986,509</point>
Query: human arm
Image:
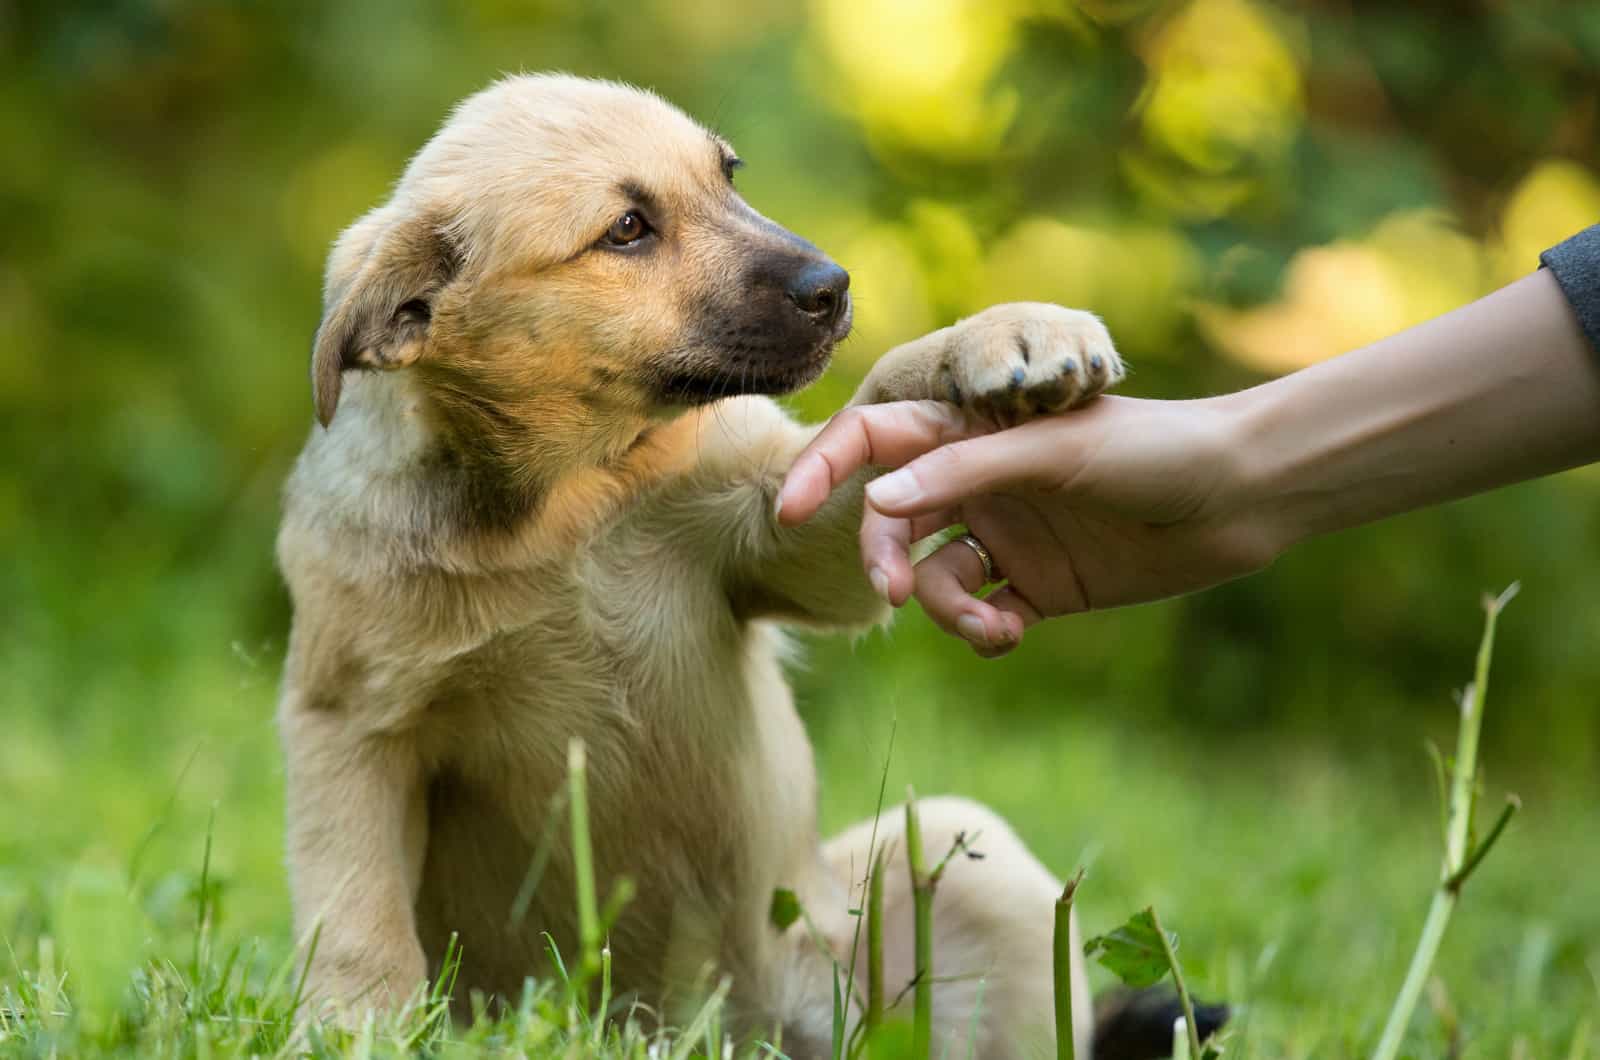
<point>1127,501</point>
<point>1501,390</point>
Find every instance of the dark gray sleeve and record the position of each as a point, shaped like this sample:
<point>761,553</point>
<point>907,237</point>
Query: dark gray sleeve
<point>1576,267</point>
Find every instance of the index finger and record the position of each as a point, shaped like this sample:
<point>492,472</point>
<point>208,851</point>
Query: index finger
<point>866,435</point>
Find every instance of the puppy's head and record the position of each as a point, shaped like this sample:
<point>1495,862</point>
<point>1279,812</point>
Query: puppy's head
<point>564,248</point>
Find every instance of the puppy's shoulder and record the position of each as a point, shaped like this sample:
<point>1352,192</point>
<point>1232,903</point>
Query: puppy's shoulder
<point>355,485</point>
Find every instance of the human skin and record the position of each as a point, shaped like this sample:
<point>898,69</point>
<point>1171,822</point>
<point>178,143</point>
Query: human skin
<point>1127,500</point>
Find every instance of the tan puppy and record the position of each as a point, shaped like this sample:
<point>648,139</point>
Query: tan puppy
<point>539,506</point>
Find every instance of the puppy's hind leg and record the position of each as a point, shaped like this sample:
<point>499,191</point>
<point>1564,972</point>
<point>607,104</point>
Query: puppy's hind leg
<point>993,920</point>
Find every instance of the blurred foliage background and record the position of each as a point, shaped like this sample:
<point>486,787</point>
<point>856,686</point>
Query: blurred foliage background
<point>1239,187</point>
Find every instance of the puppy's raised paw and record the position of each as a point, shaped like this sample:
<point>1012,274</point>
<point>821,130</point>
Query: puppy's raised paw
<point>1023,359</point>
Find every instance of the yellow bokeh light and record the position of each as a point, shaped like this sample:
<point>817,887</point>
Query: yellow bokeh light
<point>1556,199</point>
<point>1414,266</point>
<point>1224,89</point>
<point>917,71</point>
<point>1136,278</point>
<point>950,251</point>
<point>888,291</point>
<point>1224,100</point>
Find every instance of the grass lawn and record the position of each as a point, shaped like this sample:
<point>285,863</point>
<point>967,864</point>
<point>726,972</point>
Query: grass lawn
<point>1295,870</point>
<point>1238,186</point>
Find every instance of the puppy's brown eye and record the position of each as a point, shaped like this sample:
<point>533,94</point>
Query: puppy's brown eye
<point>629,228</point>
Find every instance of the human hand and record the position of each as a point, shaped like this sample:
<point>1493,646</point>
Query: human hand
<point>1128,500</point>
<point>1120,502</point>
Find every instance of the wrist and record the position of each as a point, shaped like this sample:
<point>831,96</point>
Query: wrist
<point>1261,489</point>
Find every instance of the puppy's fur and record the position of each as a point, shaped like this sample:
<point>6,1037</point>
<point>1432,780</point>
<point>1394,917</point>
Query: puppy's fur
<point>539,507</point>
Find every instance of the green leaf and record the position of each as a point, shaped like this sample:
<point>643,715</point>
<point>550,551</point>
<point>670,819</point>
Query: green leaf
<point>785,908</point>
<point>1133,952</point>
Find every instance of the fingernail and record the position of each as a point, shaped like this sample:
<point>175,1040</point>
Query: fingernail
<point>971,627</point>
<point>893,489</point>
<point>880,582</point>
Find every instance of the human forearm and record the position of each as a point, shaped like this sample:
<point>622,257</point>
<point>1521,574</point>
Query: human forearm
<point>1504,389</point>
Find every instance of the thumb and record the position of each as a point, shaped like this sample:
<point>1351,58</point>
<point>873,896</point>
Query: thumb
<point>946,476</point>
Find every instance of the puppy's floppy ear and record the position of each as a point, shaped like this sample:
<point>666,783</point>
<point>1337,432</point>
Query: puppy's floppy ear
<point>379,316</point>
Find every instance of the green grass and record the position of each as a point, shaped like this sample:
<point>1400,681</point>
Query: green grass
<point>143,908</point>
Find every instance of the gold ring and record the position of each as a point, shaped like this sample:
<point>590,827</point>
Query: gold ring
<point>983,555</point>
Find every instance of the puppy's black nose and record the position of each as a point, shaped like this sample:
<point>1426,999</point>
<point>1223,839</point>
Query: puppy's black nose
<point>819,289</point>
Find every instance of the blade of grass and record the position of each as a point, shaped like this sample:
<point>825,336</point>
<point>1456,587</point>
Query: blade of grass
<point>1061,968</point>
<point>1579,1049</point>
<point>972,1023</point>
<point>922,903</point>
<point>714,1035</point>
<point>1459,877</point>
<point>1177,981</point>
<point>1441,785</point>
<point>538,861</point>
<point>305,971</point>
<point>583,861</point>
<point>875,944</point>
<point>136,859</point>
<point>205,887</point>
<point>600,1022</point>
<point>1181,1049</point>
<point>838,1016</point>
<point>695,1032</point>
<point>1458,860</point>
<point>444,984</point>
<point>858,1036</point>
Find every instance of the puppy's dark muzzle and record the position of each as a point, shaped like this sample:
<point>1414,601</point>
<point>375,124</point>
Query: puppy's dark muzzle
<point>821,290</point>
<point>772,333</point>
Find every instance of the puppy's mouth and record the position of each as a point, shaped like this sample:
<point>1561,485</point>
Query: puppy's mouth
<point>748,361</point>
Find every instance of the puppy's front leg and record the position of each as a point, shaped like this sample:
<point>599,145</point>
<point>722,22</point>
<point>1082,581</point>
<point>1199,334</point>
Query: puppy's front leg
<point>809,573</point>
<point>1009,362</point>
<point>357,833</point>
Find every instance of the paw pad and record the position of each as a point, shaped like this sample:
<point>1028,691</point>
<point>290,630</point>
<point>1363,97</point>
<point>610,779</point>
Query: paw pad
<point>1013,362</point>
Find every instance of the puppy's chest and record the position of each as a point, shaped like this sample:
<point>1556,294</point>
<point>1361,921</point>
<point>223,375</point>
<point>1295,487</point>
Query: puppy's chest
<point>625,652</point>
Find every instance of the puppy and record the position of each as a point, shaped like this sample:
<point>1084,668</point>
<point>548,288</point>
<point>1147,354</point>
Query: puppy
<point>538,506</point>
